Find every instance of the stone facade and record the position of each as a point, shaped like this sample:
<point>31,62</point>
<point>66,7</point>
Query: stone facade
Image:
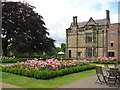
<point>88,39</point>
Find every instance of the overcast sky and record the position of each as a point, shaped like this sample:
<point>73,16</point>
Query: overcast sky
<point>58,14</point>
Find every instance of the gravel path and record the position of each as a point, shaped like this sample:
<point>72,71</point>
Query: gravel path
<point>88,83</point>
<point>5,85</point>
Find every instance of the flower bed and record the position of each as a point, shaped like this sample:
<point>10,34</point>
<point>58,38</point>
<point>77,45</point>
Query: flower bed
<point>45,74</point>
<point>13,59</point>
<point>4,57</point>
<point>50,64</point>
<point>47,69</point>
<point>105,60</point>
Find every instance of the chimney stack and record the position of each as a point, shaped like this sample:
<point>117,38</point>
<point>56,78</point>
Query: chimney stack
<point>108,16</point>
<point>75,21</point>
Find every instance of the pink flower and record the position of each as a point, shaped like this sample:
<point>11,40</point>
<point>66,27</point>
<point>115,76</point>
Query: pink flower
<point>35,59</point>
<point>26,68</point>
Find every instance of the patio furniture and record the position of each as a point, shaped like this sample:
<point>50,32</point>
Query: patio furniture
<point>112,76</point>
<point>106,68</point>
<point>100,75</point>
<point>117,66</point>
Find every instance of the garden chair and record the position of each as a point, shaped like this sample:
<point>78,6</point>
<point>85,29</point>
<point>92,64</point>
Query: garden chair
<point>106,68</point>
<point>118,66</point>
<point>112,76</point>
<point>99,73</point>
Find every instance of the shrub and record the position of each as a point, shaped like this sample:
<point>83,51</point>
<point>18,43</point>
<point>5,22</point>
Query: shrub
<point>32,71</point>
<point>15,70</point>
<point>42,75</point>
<point>67,59</point>
<point>52,74</point>
<point>7,69</point>
<point>27,73</point>
<point>3,69</point>
<point>45,74</point>
<point>59,73</point>
<point>23,72</point>
<point>20,71</point>
<point>35,74</point>
<point>11,60</point>
<point>11,71</point>
<point>106,62</point>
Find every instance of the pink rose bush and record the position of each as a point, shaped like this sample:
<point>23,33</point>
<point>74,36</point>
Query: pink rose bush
<point>104,58</point>
<point>49,64</point>
<point>4,57</point>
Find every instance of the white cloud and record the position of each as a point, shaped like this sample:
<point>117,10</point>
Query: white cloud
<point>58,13</point>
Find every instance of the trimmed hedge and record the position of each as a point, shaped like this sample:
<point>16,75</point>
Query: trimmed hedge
<point>106,62</point>
<point>24,59</point>
<point>45,74</point>
<point>15,60</point>
<point>10,60</point>
<point>64,58</point>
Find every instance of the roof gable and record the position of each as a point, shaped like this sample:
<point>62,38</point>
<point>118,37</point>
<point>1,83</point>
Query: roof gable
<point>91,22</point>
<point>98,21</point>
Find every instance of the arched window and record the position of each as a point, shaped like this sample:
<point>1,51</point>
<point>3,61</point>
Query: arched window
<point>111,44</point>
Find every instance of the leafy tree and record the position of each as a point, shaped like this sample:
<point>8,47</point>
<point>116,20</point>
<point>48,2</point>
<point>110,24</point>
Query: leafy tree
<point>23,29</point>
<point>63,46</point>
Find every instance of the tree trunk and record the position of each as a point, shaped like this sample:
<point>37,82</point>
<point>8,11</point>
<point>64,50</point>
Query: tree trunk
<point>4,51</point>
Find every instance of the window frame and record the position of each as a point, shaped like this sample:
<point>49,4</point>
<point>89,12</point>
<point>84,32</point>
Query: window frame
<point>89,52</point>
<point>89,38</point>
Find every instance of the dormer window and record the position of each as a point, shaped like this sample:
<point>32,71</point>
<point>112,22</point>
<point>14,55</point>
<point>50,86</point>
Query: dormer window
<point>89,27</point>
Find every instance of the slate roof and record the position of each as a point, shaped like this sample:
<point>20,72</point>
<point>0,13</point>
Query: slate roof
<point>99,21</point>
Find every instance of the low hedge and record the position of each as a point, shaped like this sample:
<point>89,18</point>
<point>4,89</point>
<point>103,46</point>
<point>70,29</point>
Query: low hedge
<point>10,60</point>
<point>106,62</point>
<point>45,74</point>
<point>15,60</point>
<point>24,59</point>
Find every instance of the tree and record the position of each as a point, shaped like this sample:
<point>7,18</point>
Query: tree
<point>63,46</point>
<point>23,29</point>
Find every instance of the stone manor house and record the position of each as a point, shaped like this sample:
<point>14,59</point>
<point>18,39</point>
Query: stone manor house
<point>93,38</point>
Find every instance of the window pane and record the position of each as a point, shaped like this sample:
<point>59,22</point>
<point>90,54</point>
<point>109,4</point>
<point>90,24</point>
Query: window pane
<point>111,34</point>
<point>88,52</point>
<point>79,53</point>
<point>89,37</point>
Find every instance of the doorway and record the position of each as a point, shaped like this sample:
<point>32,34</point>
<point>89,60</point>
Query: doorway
<point>69,53</point>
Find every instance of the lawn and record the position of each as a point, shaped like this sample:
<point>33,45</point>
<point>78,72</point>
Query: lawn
<point>27,82</point>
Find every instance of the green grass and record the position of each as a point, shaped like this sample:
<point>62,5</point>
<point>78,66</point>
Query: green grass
<point>26,82</point>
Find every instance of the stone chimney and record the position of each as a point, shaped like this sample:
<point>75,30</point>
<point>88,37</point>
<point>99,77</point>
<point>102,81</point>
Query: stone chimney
<point>75,21</point>
<point>108,16</point>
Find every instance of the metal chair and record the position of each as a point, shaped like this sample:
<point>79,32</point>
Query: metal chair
<point>99,73</point>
